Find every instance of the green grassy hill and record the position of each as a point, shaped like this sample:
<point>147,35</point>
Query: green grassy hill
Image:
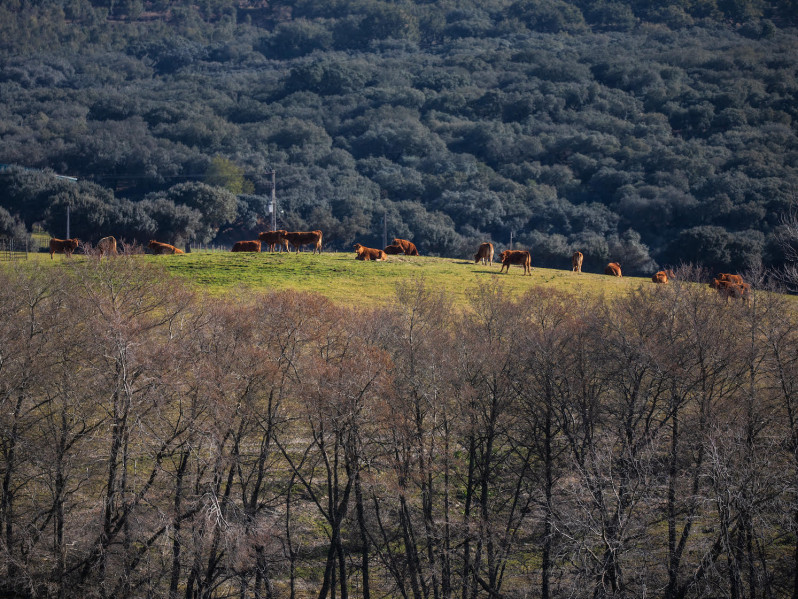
<point>343,279</point>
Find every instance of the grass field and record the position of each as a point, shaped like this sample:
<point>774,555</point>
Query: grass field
<point>343,279</point>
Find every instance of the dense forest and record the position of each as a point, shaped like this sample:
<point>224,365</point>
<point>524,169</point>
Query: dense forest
<point>157,443</point>
<point>648,133</point>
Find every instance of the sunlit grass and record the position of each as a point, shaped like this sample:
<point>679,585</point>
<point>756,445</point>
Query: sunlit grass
<point>343,279</point>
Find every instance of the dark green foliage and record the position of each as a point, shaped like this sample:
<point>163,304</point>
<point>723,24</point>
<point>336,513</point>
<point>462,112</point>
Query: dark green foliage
<point>566,123</point>
<point>11,226</point>
<point>718,249</point>
<point>215,205</point>
<point>169,222</point>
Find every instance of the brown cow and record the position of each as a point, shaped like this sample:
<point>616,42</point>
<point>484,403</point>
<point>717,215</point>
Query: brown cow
<point>660,277</point>
<point>246,246</point>
<point>519,257</point>
<point>613,269</point>
<point>408,247</point>
<point>724,280</point>
<point>107,245</point>
<point>484,253</point>
<point>273,238</point>
<point>364,253</point>
<point>163,248</point>
<point>393,250</point>
<point>300,238</point>
<point>576,262</point>
<point>730,289</point>
<point>736,279</point>
<point>63,246</point>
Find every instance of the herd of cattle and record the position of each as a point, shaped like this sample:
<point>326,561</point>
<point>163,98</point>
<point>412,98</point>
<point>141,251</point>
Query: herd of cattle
<point>728,285</point>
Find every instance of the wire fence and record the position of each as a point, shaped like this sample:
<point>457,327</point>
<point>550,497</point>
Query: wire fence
<point>209,247</point>
<point>14,248</point>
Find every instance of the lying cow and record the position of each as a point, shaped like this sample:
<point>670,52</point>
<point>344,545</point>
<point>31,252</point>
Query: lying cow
<point>364,253</point>
<point>107,246</point>
<point>660,277</point>
<point>613,269</point>
<point>576,262</point>
<point>63,246</point>
<point>300,238</point>
<point>274,238</point>
<point>163,248</point>
<point>393,250</point>
<point>246,246</point>
<point>408,247</point>
<point>518,257</point>
<point>484,253</point>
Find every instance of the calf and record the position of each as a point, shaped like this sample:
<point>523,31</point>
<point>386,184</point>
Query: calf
<point>613,269</point>
<point>364,253</point>
<point>273,238</point>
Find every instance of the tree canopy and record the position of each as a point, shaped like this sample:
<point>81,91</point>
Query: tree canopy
<point>669,128</point>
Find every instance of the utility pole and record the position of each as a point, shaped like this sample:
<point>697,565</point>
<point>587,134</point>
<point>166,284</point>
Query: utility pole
<point>67,235</point>
<point>511,239</point>
<point>273,205</point>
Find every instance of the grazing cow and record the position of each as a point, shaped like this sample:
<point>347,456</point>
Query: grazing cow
<point>300,238</point>
<point>107,245</point>
<point>364,253</point>
<point>613,269</point>
<point>518,257</point>
<point>660,277</point>
<point>393,250</point>
<point>408,247</point>
<point>273,238</point>
<point>63,246</point>
<point>484,253</point>
<point>246,246</point>
<point>576,262</point>
<point>163,248</point>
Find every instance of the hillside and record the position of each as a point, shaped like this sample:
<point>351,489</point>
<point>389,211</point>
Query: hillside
<point>338,277</point>
<point>346,281</point>
<point>645,133</point>
<point>159,441</point>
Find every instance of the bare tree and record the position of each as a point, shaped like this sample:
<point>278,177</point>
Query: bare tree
<point>415,419</point>
<point>339,382</point>
<point>35,319</point>
<point>495,470</point>
<point>133,314</point>
<point>549,335</point>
